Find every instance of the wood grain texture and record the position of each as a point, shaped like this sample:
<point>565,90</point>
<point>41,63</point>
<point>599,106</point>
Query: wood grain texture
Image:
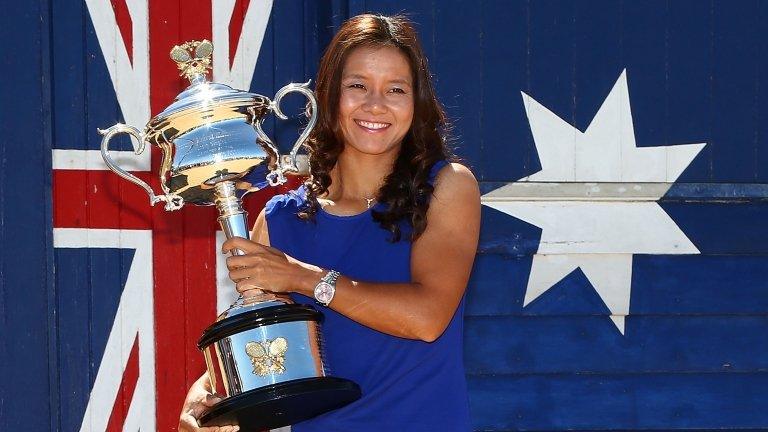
<point>658,401</point>
<point>694,355</point>
<point>26,288</point>
<point>589,344</point>
<point>663,285</point>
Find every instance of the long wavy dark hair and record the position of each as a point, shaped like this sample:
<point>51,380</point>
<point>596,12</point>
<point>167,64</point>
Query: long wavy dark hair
<point>406,190</point>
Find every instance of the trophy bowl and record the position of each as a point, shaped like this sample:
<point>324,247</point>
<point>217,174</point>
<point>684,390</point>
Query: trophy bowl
<point>264,353</point>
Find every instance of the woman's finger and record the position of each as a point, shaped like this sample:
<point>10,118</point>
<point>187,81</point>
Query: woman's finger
<point>210,400</point>
<point>248,288</point>
<point>242,244</point>
<point>220,429</point>
<point>242,273</point>
<point>238,261</point>
<point>187,423</point>
<point>196,410</point>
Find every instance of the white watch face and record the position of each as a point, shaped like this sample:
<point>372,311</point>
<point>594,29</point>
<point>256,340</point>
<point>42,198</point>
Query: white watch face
<point>324,292</point>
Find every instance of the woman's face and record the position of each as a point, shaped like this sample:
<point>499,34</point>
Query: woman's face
<point>376,100</point>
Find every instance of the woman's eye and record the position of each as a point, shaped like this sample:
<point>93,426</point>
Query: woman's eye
<point>397,90</point>
<point>356,86</point>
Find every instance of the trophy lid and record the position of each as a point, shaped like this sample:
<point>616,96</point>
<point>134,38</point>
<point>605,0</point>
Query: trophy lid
<point>194,61</point>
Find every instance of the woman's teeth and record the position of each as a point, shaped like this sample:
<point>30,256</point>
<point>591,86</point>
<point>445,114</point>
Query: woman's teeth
<point>371,125</point>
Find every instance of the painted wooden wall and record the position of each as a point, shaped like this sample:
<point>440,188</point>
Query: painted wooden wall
<point>620,283</point>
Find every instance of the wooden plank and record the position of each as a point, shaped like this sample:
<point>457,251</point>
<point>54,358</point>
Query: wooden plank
<point>317,34</point>
<point>101,106</point>
<point>74,323</point>
<point>457,44</point>
<point>69,60</point>
<point>288,67</point>
<point>730,229</point>
<point>25,285</point>
<point>537,344</point>
<point>357,7</point>
<point>761,97</point>
<point>596,44</point>
<point>644,55</point>
<point>263,81</point>
<point>740,229</point>
<point>626,191</point>
<point>504,146</point>
<point>661,285</point>
<point>663,401</point>
<point>734,83</point>
<point>722,193</point>
<point>690,115</point>
<point>169,301</point>
<point>428,16</point>
<point>107,271</point>
<point>47,128</point>
<point>551,62</point>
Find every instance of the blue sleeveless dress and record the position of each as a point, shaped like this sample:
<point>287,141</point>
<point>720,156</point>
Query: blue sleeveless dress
<point>407,385</point>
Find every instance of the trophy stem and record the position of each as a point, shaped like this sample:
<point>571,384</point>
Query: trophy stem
<point>232,218</point>
<point>234,221</point>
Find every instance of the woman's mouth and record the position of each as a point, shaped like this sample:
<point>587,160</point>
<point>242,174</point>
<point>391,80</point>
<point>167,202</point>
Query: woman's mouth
<point>372,126</point>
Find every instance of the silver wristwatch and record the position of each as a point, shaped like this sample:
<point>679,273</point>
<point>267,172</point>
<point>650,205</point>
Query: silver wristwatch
<point>326,288</point>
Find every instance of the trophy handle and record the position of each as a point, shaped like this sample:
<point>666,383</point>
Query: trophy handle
<point>172,201</point>
<point>277,177</point>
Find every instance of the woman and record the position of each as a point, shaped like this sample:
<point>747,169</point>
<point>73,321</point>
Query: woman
<point>392,221</point>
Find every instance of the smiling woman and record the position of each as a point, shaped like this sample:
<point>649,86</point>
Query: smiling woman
<point>374,70</point>
<point>382,235</point>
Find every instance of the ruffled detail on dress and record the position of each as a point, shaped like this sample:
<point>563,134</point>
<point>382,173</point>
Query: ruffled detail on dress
<point>435,169</point>
<point>292,200</point>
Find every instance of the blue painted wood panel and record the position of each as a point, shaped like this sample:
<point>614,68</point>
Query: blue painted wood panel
<point>502,60</point>
<point>736,228</point>
<point>694,355</point>
<point>654,401</point>
<point>661,285</point>
<point>86,302</point>
<point>589,344</point>
<point>26,291</point>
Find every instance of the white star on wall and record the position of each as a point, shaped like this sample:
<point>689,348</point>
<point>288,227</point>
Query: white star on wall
<point>599,236</point>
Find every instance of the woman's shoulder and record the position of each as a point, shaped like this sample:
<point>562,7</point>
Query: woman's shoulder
<point>455,188</point>
<point>292,201</point>
<point>452,176</point>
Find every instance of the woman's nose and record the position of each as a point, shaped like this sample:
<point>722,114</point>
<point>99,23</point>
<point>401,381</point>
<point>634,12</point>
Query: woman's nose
<point>375,104</point>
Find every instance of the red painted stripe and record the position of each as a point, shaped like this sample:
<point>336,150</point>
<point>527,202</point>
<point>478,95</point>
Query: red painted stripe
<point>127,388</point>
<point>236,27</point>
<point>184,289</point>
<point>125,24</point>
<point>99,199</point>
<point>183,242</point>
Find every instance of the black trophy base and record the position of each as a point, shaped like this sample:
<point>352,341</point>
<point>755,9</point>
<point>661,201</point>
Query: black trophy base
<point>282,404</point>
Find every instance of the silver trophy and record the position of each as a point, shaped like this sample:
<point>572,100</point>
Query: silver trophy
<point>264,353</point>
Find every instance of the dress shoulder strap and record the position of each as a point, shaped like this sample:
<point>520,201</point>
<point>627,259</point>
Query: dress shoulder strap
<point>435,169</point>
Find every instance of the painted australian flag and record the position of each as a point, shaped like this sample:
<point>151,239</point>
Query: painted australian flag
<point>135,286</point>
<point>621,281</point>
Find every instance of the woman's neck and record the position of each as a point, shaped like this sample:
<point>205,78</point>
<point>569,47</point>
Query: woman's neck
<point>359,176</point>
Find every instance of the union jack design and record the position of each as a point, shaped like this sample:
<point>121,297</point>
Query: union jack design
<point>150,307</point>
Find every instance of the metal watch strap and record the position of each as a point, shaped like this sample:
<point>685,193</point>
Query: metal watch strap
<point>330,279</point>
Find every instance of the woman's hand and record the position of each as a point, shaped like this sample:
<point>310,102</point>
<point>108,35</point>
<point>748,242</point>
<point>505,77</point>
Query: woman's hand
<point>268,269</point>
<point>199,400</point>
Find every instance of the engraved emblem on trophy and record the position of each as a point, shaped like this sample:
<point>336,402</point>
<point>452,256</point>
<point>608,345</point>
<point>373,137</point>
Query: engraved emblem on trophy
<point>268,356</point>
<point>214,151</point>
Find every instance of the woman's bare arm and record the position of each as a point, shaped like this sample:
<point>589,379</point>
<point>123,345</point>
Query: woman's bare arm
<point>441,262</point>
